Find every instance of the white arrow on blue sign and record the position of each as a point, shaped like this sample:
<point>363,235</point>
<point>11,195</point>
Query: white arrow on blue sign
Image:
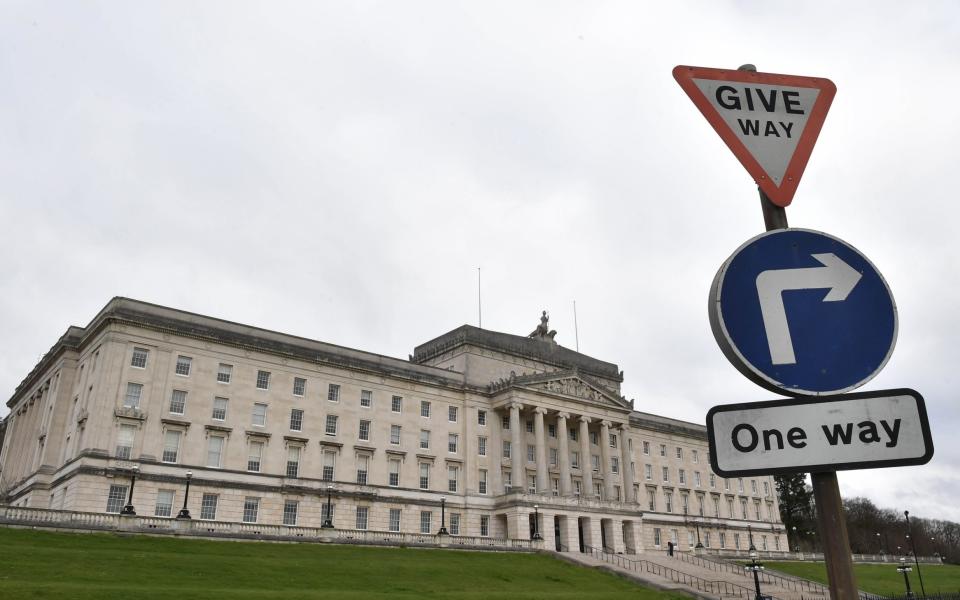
<point>801,312</point>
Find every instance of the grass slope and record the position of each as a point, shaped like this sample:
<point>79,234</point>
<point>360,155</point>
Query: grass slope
<point>43,564</point>
<point>881,579</point>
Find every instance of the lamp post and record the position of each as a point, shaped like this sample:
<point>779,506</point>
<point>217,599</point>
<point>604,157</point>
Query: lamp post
<point>905,568</point>
<point>536,522</point>
<point>699,545</point>
<point>755,567</point>
<point>443,517</point>
<point>913,547</point>
<point>128,509</point>
<point>879,543</point>
<point>185,512</point>
<point>328,522</point>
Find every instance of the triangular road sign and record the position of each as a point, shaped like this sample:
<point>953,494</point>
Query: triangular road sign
<point>770,121</point>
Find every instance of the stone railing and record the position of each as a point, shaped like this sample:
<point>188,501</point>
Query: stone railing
<point>73,520</point>
<point>812,556</point>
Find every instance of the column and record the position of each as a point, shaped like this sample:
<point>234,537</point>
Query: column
<point>585,467</point>
<point>625,460</point>
<point>518,454</point>
<point>605,460</point>
<point>543,476</point>
<point>562,436</point>
<point>615,537</point>
<point>569,533</point>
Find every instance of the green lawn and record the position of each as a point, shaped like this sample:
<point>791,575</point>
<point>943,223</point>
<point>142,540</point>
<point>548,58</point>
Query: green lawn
<point>882,579</point>
<point>42,564</point>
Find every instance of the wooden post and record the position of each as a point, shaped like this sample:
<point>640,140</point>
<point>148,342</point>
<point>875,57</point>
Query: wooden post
<point>833,534</point>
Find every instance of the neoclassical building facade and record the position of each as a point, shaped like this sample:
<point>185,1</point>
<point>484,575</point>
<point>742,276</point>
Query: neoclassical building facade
<point>493,434</point>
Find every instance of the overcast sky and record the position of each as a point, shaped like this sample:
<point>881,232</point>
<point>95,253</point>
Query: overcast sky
<point>340,170</point>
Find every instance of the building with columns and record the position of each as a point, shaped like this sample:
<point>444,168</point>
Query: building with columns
<point>496,435</point>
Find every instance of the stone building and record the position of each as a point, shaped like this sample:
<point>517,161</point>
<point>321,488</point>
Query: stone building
<point>505,435</point>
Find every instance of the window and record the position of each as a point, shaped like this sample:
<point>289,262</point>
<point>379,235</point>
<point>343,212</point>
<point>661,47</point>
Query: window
<point>651,500</point>
<point>362,512</point>
<point>424,439</point>
<point>251,506</point>
<point>224,373</point>
<point>696,478</point>
<point>331,428</point>
<point>726,484</point>
<point>394,476</point>
<point>329,460</point>
<point>366,398</point>
<point>333,392</point>
<point>594,438</point>
<point>753,486</point>
<point>454,523</point>
<point>764,540</point>
<point>259,415</point>
<point>183,366</point>
<point>505,422</point>
<point>685,503</point>
<point>666,474</point>
<point>598,491</point>
<point>394,524</point>
<point>613,440</point>
<point>713,480</point>
<point>116,498</point>
<point>723,540</point>
<point>743,508</point>
<point>164,506</point>
<point>484,525</point>
<point>506,448</point>
<point>125,441</point>
<point>299,387</point>
<point>532,484</point>
<point>481,446</point>
<point>139,360</point>
<point>682,476</point>
<point>730,508</point>
<point>171,446</point>
<point>482,418</point>
<point>132,399</point>
<point>736,540</point>
<point>740,484</point>
<point>219,409</point>
<point>575,460</point>
<point>531,453</point>
<point>293,461</point>
<point>646,447</point>
<point>696,456</point>
<point>679,453</point>
<point>426,518</point>
<point>425,409</point>
<point>668,501</point>
<point>756,506</point>
<point>616,493</point>
<point>507,480</point>
<point>296,419</point>
<point>208,507</point>
<point>577,487</point>
<point>766,488</point>
<point>364,434</point>
<point>648,472</point>
<point>716,507</point>
<point>254,454</point>
<point>595,462</point>
<point>263,380</point>
<point>395,435</point>
<point>573,434</point>
<point>452,477</point>
<point>178,401</point>
<point>663,449</point>
<point>691,539</point>
<point>553,457</point>
<point>482,482</point>
<point>552,430</point>
<point>327,512</point>
<point>363,467</point>
<point>396,404</point>
<point>424,476</point>
<point>614,464</point>
<point>452,414</point>
<point>452,442</point>
<point>214,451</point>
<point>529,426</point>
<point>656,536</point>
<point>290,512</point>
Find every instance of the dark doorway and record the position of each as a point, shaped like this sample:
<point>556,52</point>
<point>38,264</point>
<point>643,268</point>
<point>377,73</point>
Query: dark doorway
<point>603,536</point>
<point>580,533</point>
<point>533,524</point>
<point>556,534</point>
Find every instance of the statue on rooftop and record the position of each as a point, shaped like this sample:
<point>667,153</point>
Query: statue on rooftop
<point>543,332</point>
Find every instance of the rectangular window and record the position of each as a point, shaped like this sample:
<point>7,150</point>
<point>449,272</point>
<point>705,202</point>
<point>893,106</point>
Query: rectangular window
<point>573,434</point>
<point>740,484</point>
<point>529,426</point>
<point>663,449</point>
<point>299,387</point>
<point>614,464</point>
<point>679,453</point>
<point>327,512</point>
<point>424,439</point>
<point>598,491</point>
<point>208,507</point>
<point>214,451</point>
<point>713,480</point>
<point>696,456</point>
<point>219,409</point>
<point>363,466</point>
<point>696,478</point>
<point>531,453</point>
<point>648,472</point>
<point>178,401</point>
<point>613,440</point>
<point>553,457</point>
<point>364,434</point>
<point>646,447</point>
<point>394,524</point>
<point>259,415</point>
<point>251,506</point>
<point>452,477</point>
<point>682,477</point>
<point>293,461</point>
<point>766,488</point>
<point>652,500</point>
<point>396,404</point>
<point>481,446</point>
<point>116,498</point>
<point>482,418</point>
<point>426,521</point>
<point>362,512</point>
<point>171,446</point>
<point>552,430</point>
<point>296,419</point>
<point>125,441</point>
<point>183,366</point>
<point>329,461</point>
<point>139,359</point>
<point>743,509</point>
<point>685,503</point>
<point>753,486</point>
<point>482,482</point>
<point>254,454</point>
<point>555,486</point>
<point>716,507</point>
<point>594,438</point>
<point>134,392</point>
<point>290,512</point>
<point>425,409</point>
<point>723,540</point>
<point>656,536</point>
<point>736,540</point>
<point>395,435</point>
<point>394,475</point>
<point>668,501</point>
<point>505,422</point>
<point>730,508</point>
<point>366,398</point>
<point>506,448</point>
<point>454,523</point>
<point>331,428</point>
<point>577,487</point>
<point>532,484</point>
<point>484,525</point>
<point>616,493</point>
<point>595,462</point>
<point>164,505</point>
<point>452,442</point>
<point>452,414</point>
<point>263,380</point>
<point>333,392</point>
<point>424,476</point>
<point>666,474</point>
<point>575,460</point>
<point>224,373</point>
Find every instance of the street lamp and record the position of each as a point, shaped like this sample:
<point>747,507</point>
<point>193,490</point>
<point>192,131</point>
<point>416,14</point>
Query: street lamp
<point>879,543</point>
<point>755,567</point>
<point>328,522</point>
<point>185,512</point>
<point>699,545</point>
<point>536,523</point>
<point>443,517</point>
<point>913,547</point>
<point>905,568</point>
<point>128,509</point>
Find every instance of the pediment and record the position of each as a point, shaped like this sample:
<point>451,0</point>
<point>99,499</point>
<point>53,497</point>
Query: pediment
<point>570,384</point>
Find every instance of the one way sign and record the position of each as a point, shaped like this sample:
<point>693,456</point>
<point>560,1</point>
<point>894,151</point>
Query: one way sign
<point>769,121</point>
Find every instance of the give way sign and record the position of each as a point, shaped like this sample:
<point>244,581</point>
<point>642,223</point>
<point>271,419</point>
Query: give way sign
<point>769,121</point>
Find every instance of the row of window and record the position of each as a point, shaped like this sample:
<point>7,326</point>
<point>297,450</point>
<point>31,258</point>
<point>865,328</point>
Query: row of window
<point>685,509</point>
<point>707,539</point>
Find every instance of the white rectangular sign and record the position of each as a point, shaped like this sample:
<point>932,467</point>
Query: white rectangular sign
<point>848,431</point>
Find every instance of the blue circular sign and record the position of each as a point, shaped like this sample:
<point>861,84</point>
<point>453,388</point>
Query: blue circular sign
<point>801,312</point>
